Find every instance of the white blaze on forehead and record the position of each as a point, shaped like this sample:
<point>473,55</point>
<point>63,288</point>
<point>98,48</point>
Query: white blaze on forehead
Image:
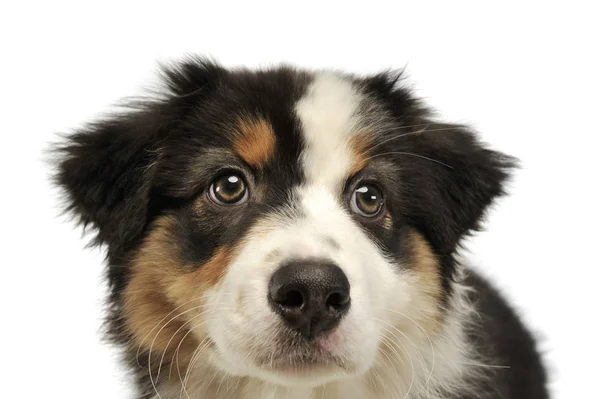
<point>328,115</point>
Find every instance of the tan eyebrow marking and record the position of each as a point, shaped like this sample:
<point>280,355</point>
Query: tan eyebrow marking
<point>359,145</point>
<point>254,140</point>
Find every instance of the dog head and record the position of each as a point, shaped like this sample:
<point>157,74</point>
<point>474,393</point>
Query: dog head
<point>285,222</point>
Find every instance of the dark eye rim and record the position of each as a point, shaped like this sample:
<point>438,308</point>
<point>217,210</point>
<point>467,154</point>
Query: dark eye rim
<point>220,175</point>
<point>356,209</point>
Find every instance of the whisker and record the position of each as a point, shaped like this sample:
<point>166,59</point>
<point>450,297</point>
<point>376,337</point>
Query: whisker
<point>394,351</point>
<point>419,352</point>
<point>175,356</point>
<point>152,381</point>
<point>394,128</point>
<point>428,338</point>
<point>154,341</point>
<point>412,367</point>
<point>185,336</point>
<point>416,132</point>
<point>491,366</point>
<point>200,345</point>
<point>410,154</point>
<point>424,129</point>
<point>176,361</point>
<point>157,324</point>
<point>197,353</point>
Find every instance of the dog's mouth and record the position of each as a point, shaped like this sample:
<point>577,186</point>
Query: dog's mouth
<point>300,357</point>
<point>286,357</point>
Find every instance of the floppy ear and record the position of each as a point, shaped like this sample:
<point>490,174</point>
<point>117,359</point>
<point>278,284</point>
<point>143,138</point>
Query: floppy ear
<point>452,190</point>
<point>106,172</point>
<point>107,169</point>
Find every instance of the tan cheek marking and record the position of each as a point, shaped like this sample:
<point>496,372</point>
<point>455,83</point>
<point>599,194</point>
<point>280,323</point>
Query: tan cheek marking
<point>254,141</point>
<point>425,267</point>
<point>146,305</point>
<point>162,293</point>
<point>190,285</point>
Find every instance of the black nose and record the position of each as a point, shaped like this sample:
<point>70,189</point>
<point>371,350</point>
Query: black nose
<point>311,296</point>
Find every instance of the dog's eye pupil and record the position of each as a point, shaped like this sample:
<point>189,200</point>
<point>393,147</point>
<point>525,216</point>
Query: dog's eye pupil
<point>367,200</point>
<point>229,189</point>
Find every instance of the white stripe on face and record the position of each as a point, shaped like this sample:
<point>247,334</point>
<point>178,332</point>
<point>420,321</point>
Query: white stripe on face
<point>328,115</point>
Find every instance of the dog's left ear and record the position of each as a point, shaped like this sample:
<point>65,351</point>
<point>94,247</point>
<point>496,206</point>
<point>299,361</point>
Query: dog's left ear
<point>453,182</point>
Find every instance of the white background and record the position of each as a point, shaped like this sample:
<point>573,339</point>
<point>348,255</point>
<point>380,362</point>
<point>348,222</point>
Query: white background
<point>526,76</point>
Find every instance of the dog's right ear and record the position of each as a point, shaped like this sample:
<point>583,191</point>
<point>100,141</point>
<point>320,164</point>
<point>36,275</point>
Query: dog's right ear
<point>106,169</point>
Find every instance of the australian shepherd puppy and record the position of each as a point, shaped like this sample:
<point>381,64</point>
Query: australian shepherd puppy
<point>286,233</point>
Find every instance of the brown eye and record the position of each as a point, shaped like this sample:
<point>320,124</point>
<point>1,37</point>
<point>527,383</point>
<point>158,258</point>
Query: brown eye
<point>229,189</point>
<point>366,200</point>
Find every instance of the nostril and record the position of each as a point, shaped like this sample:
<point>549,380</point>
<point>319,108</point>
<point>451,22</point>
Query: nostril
<point>337,301</point>
<point>291,299</point>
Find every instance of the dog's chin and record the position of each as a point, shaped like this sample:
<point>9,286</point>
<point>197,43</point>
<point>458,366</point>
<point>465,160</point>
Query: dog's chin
<point>296,363</point>
<point>308,374</point>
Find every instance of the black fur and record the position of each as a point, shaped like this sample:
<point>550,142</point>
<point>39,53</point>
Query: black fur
<point>500,335</point>
<point>160,156</point>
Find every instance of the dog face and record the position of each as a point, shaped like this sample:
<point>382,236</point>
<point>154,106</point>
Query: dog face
<point>284,225</point>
